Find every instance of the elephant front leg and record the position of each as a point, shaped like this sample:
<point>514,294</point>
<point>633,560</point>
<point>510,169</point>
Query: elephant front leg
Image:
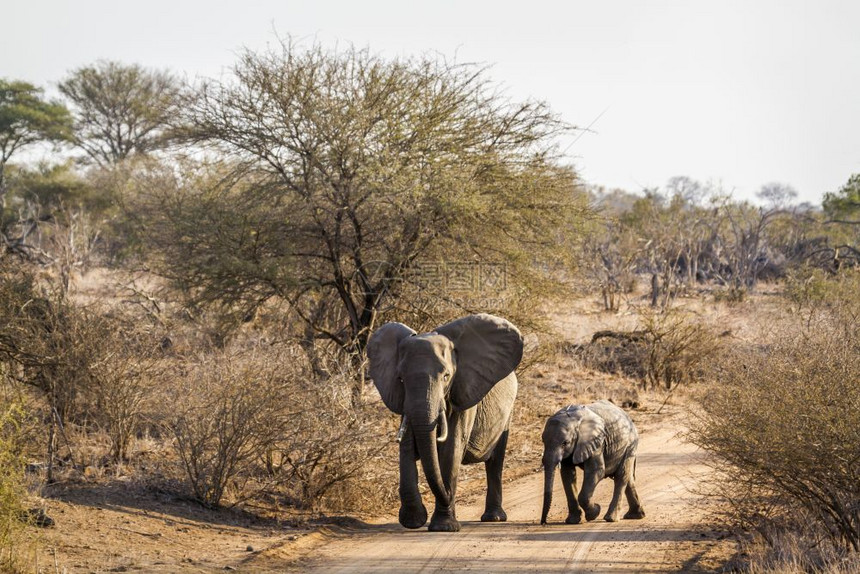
<point>568,482</point>
<point>594,470</point>
<point>444,517</point>
<point>412,514</point>
<point>493,511</point>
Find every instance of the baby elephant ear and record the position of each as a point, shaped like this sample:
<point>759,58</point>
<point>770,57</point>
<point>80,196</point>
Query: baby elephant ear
<point>488,349</point>
<point>590,436</point>
<point>383,356</point>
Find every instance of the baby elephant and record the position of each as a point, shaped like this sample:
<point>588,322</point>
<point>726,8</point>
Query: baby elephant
<point>601,439</point>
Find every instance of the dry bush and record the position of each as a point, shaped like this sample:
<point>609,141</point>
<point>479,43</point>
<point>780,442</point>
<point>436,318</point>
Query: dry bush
<point>679,348</point>
<point>340,457</point>
<point>613,352</point>
<point>731,295</point>
<point>258,423</point>
<point>122,388</point>
<point>783,424</point>
<point>249,416</point>
<point>90,366</point>
<point>787,551</point>
<point>227,412</point>
<point>671,347</point>
<point>806,287</point>
<point>46,344</point>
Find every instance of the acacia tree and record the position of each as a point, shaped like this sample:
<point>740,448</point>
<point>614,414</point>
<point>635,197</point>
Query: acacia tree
<point>120,110</point>
<point>842,209</point>
<point>25,119</point>
<point>843,206</point>
<point>342,170</point>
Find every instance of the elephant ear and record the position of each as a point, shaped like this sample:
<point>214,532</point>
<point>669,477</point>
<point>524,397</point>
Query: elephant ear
<point>591,433</point>
<point>488,349</point>
<point>383,355</point>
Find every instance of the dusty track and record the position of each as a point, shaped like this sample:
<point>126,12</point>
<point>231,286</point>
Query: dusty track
<point>673,536</point>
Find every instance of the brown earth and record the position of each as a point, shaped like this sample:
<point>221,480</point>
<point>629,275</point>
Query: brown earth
<point>123,529</point>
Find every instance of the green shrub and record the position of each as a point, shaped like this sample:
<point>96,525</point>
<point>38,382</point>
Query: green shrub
<point>12,491</point>
<point>731,295</point>
<point>815,290</point>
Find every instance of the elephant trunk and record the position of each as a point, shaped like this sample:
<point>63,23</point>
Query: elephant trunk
<point>425,440</point>
<point>549,475</point>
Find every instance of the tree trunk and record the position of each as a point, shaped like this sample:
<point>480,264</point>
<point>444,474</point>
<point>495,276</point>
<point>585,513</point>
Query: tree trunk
<point>655,289</point>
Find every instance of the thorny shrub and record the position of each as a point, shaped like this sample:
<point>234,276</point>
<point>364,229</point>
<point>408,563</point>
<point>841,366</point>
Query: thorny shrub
<point>91,367</point>
<point>258,423</point>
<point>679,347</point>
<point>813,290</point>
<point>791,551</point>
<point>233,411</point>
<point>122,389</point>
<point>670,347</point>
<point>783,424</point>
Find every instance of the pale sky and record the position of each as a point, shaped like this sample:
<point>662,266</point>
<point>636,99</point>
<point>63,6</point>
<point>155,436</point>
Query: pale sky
<point>742,92</point>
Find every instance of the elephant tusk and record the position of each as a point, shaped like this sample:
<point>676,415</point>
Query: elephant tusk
<point>443,435</point>
<point>402,430</point>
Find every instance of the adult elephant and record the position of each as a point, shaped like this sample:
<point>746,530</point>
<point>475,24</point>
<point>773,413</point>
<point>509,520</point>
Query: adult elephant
<point>601,439</point>
<point>455,388</point>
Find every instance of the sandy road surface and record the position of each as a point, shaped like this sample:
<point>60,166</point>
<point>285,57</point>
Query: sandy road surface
<point>673,537</point>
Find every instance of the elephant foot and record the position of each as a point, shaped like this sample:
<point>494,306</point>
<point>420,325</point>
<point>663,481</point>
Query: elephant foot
<point>413,516</point>
<point>591,512</point>
<point>635,514</point>
<point>613,517</point>
<point>497,515</point>
<point>443,523</point>
<point>573,518</point>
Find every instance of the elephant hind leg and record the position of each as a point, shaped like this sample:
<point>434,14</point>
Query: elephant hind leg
<point>636,511</point>
<point>612,512</point>
<point>493,511</point>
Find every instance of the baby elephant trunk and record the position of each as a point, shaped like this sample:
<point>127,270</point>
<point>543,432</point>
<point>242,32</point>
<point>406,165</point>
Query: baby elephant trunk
<point>549,470</point>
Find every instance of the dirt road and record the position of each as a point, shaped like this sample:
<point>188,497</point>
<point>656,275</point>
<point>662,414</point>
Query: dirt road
<point>673,537</point>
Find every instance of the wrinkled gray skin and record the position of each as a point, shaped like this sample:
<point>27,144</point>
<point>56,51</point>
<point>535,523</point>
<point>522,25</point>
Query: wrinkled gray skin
<point>600,439</point>
<point>455,387</point>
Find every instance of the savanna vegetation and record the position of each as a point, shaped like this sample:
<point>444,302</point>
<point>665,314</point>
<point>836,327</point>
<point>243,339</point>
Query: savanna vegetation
<point>187,289</point>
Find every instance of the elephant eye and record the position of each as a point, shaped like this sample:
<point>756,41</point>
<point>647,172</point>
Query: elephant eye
<point>446,376</point>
